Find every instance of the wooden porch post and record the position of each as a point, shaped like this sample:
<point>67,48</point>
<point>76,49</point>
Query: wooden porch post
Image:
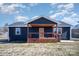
<point>56,29</point>
<point>41,33</point>
<point>57,36</point>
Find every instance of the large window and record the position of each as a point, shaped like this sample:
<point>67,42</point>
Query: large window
<point>33,29</point>
<point>48,32</point>
<point>17,31</point>
<point>34,32</point>
<point>48,29</point>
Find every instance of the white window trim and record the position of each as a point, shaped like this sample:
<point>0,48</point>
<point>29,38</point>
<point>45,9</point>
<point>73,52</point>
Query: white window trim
<point>17,30</point>
<point>57,30</point>
<point>60,30</point>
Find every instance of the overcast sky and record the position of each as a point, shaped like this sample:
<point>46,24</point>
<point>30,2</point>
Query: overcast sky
<point>10,13</point>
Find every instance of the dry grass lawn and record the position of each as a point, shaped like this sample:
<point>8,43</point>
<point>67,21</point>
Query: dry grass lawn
<point>40,49</point>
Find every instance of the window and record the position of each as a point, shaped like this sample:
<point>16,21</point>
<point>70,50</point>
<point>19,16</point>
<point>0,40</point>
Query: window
<point>34,32</point>
<point>48,32</point>
<point>54,30</point>
<point>60,30</point>
<point>33,29</point>
<point>17,31</point>
<point>48,29</point>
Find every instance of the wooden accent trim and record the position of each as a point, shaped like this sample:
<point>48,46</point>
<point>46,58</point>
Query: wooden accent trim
<point>42,40</point>
<point>41,25</point>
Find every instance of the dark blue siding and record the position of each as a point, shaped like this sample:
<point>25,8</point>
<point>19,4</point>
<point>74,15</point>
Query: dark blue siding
<point>67,31</point>
<point>22,37</point>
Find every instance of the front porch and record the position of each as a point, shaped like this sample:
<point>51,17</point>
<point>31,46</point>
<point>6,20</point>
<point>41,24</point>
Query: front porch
<point>42,33</point>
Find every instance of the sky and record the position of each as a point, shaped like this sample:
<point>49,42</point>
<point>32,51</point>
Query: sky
<point>14,12</point>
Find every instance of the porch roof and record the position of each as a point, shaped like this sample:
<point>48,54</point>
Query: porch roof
<point>41,20</point>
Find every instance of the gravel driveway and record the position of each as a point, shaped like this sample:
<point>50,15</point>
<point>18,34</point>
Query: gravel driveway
<point>40,49</point>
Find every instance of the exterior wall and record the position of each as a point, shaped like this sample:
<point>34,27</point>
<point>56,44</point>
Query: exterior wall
<point>13,37</point>
<point>66,33</point>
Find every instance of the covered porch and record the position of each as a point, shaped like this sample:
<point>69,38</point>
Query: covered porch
<point>42,33</point>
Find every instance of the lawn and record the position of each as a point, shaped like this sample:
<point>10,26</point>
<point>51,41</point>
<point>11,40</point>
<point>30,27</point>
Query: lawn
<point>40,49</point>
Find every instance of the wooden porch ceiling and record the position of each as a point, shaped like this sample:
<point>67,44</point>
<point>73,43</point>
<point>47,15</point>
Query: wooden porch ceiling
<point>42,25</point>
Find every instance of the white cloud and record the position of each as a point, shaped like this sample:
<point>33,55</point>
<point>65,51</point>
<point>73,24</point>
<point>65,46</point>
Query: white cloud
<point>33,4</point>
<point>21,18</point>
<point>53,4</point>
<point>35,17</point>
<point>50,12</point>
<point>69,21</point>
<point>60,6</point>
<point>66,6</point>
<point>10,8</point>
<point>62,9</point>
<point>61,13</point>
<point>67,11</point>
<point>69,6</point>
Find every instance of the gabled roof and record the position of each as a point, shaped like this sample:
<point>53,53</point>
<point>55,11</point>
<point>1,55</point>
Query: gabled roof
<point>41,20</point>
<point>18,24</point>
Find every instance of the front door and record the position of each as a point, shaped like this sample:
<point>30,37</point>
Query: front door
<point>41,33</point>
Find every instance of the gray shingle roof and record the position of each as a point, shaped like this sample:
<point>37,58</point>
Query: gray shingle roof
<point>60,23</point>
<point>63,24</point>
<point>24,24</point>
<point>18,24</point>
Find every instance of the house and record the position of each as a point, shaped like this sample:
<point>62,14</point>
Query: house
<point>39,30</point>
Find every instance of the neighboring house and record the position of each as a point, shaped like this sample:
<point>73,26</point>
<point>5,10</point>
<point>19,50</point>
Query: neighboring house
<point>75,32</point>
<point>39,30</point>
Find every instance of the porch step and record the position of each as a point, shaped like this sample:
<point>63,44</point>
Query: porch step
<point>43,40</point>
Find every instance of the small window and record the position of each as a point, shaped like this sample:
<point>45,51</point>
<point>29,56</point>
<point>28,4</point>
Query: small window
<point>17,31</point>
<point>59,30</point>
